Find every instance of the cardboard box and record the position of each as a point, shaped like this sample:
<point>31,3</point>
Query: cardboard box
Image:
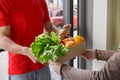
<point>73,52</point>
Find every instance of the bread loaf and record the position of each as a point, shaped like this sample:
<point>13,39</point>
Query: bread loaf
<point>64,31</point>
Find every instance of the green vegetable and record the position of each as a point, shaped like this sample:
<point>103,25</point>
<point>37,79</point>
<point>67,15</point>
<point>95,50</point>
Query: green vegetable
<point>47,47</point>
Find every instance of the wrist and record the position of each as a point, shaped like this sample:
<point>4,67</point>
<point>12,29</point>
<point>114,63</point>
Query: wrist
<point>61,69</point>
<point>23,50</point>
<point>17,49</point>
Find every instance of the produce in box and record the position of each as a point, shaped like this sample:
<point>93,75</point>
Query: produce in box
<point>51,47</point>
<point>48,47</point>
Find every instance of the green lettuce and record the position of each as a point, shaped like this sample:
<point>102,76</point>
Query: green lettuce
<point>47,47</point>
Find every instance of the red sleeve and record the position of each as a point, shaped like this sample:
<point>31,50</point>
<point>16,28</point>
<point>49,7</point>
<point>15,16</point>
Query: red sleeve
<point>4,13</point>
<point>47,18</point>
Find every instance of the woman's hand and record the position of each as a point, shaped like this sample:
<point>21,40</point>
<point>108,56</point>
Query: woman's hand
<point>89,54</point>
<point>56,66</point>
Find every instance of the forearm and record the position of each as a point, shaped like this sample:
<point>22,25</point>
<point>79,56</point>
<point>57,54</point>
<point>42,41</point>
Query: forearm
<point>80,74</point>
<point>55,30</point>
<point>50,27</point>
<point>103,54</point>
<point>110,71</point>
<point>7,44</point>
<point>76,74</point>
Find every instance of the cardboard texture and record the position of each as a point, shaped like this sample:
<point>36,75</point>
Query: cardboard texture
<point>73,52</point>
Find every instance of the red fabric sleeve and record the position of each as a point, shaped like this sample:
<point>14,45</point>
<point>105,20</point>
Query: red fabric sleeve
<point>4,13</point>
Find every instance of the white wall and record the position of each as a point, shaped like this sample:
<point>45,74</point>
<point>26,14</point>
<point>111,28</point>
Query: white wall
<point>3,65</point>
<point>99,29</point>
<point>99,23</point>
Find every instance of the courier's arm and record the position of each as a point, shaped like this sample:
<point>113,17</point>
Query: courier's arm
<point>7,44</point>
<point>111,71</point>
<point>50,27</point>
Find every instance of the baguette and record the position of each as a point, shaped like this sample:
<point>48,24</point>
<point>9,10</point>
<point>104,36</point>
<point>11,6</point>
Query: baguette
<point>64,31</point>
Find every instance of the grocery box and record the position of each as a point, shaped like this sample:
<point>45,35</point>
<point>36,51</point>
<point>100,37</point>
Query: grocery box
<point>73,52</point>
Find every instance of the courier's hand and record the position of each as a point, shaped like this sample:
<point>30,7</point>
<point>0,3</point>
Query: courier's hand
<point>56,66</point>
<point>27,52</point>
<point>89,54</point>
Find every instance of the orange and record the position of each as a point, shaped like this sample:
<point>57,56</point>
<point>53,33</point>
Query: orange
<point>69,43</point>
<point>78,39</point>
<point>67,39</point>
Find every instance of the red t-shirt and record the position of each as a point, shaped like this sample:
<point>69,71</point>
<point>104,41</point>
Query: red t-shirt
<point>26,19</point>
